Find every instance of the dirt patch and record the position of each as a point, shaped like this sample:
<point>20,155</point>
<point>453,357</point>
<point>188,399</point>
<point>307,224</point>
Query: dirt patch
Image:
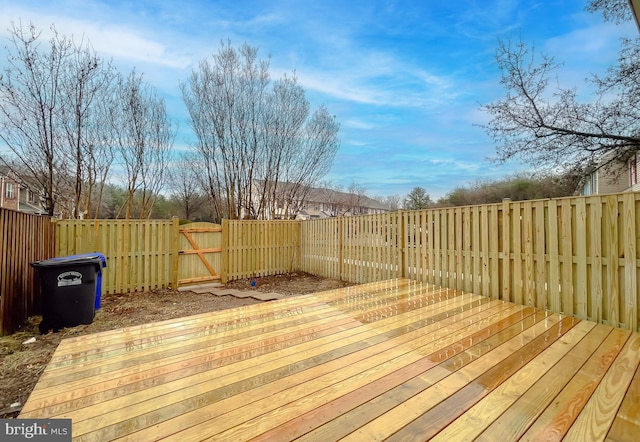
<point>22,364</point>
<point>289,284</point>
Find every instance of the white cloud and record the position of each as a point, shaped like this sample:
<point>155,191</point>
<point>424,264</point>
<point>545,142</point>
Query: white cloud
<point>117,41</point>
<point>590,42</point>
<point>407,88</point>
<point>359,124</point>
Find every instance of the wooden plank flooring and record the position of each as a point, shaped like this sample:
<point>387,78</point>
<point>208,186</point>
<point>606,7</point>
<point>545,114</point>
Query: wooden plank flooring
<point>394,360</point>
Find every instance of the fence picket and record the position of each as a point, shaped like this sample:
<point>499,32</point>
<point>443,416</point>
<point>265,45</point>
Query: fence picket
<point>566,246</point>
<point>517,242</point>
<point>554,259</point>
<point>630,314</point>
<point>467,250</point>
<point>581,277</point>
<point>458,249</point>
<point>541,285</point>
<point>450,256</point>
<point>494,253</point>
<point>595,250</point>
<point>612,311</point>
<point>484,250</point>
<point>528,275</point>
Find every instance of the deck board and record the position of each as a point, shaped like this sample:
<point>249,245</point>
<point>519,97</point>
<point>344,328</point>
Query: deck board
<point>393,360</point>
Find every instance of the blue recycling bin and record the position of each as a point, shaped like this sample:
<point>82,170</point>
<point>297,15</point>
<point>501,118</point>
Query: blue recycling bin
<point>71,288</point>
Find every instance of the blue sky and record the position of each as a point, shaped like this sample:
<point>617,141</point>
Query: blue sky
<point>405,79</point>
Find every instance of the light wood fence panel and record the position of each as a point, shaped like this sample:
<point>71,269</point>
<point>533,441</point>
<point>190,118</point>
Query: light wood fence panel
<point>321,251</point>
<point>254,248</point>
<point>576,256</point>
<point>24,238</point>
<point>356,249</point>
<point>140,253</point>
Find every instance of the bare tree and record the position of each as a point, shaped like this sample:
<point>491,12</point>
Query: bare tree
<point>261,148</point>
<point>307,161</point>
<point>186,187</point>
<point>391,202</point>
<point>49,101</point>
<point>617,11</point>
<point>224,98</point>
<point>351,200</point>
<point>143,134</point>
<point>86,89</point>
<point>330,193</point>
<point>547,125</point>
<point>99,154</point>
<point>30,100</point>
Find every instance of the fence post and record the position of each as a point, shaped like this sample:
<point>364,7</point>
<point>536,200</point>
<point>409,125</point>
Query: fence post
<point>403,242</point>
<point>340,247</point>
<point>506,250</point>
<point>175,249</point>
<point>224,253</point>
<point>298,245</point>
<point>54,230</point>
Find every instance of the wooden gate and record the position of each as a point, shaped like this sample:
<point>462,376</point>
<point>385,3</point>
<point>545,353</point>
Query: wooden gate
<point>200,253</point>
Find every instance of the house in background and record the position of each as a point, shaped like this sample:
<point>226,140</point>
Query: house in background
<point>16,195</point>
<point>617,178</point>
<point>614,179</point>
<point>305,214</point>
<point>336,203</point>
<point>319,203</point>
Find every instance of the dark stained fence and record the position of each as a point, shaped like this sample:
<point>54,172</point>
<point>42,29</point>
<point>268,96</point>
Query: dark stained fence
<point>23,238</point>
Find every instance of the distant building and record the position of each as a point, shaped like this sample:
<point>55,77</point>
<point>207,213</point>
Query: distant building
<point>305,214</point>
<point>616,178</point>
<point>15,194</point>
<point>336,203</point>
<point>320,203</point>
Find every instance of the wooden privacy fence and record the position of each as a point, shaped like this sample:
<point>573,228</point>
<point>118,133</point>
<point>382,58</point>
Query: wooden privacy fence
<point>259,248</point>
<point>357,249</point>
<point>23,238</point>
<point>150,254</point>
<point>141,254</point>
<point>577,256</point>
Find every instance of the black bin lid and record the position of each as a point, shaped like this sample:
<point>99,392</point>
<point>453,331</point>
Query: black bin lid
<point>68,261</point>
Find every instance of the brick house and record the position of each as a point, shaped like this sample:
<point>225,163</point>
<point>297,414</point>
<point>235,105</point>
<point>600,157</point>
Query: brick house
<point>16,195</point>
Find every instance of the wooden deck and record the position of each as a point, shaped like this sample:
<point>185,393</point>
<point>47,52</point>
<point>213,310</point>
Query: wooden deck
<point>394,360</point>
